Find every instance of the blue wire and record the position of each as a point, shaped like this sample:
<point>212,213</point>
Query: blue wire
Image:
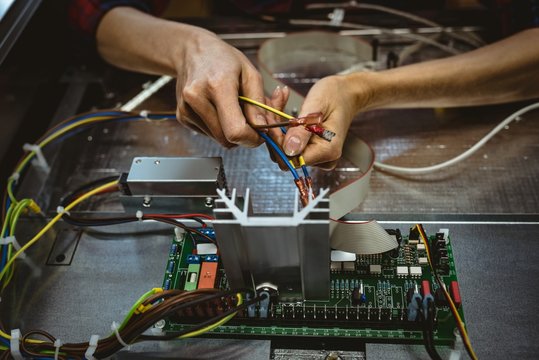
<point>280,153</point>
<point>303,167</point>
<point>5,341</point>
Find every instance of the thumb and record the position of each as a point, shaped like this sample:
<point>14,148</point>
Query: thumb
<point>297,138</point>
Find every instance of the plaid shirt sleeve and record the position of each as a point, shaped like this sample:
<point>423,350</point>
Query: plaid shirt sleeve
<point>85,15</point>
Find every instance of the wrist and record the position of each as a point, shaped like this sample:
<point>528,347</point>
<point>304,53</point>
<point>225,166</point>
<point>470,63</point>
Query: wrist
<point>367,91</point>
<point>188,41</point>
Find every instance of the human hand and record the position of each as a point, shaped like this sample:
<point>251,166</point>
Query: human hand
<point>211,75</point>
<point>339,99</point>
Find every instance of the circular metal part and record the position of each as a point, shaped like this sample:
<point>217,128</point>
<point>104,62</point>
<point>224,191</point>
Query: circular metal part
<point>208,202</point>
<point>147,202</point>
<point>160,324</point>
<point>157,162</point>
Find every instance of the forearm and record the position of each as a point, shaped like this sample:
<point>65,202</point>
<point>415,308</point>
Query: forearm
<point>501,72</point>
<point>133,40</point>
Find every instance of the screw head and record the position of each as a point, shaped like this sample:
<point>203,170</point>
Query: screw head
<point>160,324</point>
<point>208,202</point>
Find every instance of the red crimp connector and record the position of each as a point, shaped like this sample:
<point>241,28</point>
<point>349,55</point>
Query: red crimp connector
<point>320,131</point>
<point>310,119</point>
<point>303,191</point>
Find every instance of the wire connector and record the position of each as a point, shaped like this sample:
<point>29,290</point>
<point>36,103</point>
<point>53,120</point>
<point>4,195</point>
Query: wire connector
<point>114,328</point>
<point>92,347</point>
<point>14,344</point>
<point>303,191</point>
<point>307,120</point>
<point>57,345</point>
<point>41,161</point>
<point>320,131</point>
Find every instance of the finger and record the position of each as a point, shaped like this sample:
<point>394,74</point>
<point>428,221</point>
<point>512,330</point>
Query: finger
<point>297,138</point>
<point>202,113</point>
<point>277,101</point>
<point>187,118</point>
<point>253,87</point>
<point>224,90</point>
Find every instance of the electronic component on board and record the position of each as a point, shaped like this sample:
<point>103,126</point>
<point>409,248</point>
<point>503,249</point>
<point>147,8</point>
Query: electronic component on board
<point>402,271</point>
<point>415,271</point>
<point>455,293</point>
<point>358,295</point>
<point>208,272</point>
<point>193,271</point>
<point>349,266</point>
<point>375,269</point>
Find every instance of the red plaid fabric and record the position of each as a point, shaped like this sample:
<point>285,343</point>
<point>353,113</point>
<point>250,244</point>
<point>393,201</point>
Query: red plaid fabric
<point>85,15</point>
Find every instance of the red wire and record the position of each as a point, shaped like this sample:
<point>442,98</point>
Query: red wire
<point>182,216</point>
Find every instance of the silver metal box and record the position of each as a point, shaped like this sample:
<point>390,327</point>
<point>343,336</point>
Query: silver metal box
<point>172,184</point>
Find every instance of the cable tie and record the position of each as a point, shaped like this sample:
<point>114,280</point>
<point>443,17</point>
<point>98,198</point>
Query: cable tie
<point>144,114</point>
<point>114,327</point>
<point>336,17</point>
<point>62,210</point>
<point>139,215</point>
<point>7,240</point>
<point>13,240</point>
<point>178,232</point>
<point>92,347</point>
<point>15,177</point>
<point>41,161</point>
<point>14,344</point>
<point>57,345</point>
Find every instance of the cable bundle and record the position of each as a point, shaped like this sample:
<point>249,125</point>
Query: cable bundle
<point>155,305</point>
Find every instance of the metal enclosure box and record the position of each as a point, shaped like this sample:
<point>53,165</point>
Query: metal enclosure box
<point>172,184</point>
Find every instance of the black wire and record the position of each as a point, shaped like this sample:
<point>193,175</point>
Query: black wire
<point>206,323</point>
<point>428,331</point>
<point>85,188</point>
<point>144,326</point>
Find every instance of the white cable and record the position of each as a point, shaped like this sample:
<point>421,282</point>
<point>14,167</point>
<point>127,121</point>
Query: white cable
<point>428,169</point>
<point>114,328</point>
<point>416,37</point>
<point>146,93</point>
<point>471,38</point>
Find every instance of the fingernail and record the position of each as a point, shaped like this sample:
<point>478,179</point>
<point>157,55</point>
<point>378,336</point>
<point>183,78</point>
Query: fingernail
<point>292,146</point>
<point>276,92</point>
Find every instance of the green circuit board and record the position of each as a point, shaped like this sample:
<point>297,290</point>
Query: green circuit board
<point>381,315</point>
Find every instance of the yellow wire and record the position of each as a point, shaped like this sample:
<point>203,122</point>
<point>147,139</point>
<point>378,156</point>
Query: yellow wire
<point>465,336</point>
<point>275,111</point>
<point>53,221</point>
<point>266,107</point>
<point>215,325</point>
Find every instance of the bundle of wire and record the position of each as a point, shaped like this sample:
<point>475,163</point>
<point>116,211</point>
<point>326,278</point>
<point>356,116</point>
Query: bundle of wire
<point>311,123</point>
<point>153,306</point>
<point>458,320</point>
<point>13,208</point>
